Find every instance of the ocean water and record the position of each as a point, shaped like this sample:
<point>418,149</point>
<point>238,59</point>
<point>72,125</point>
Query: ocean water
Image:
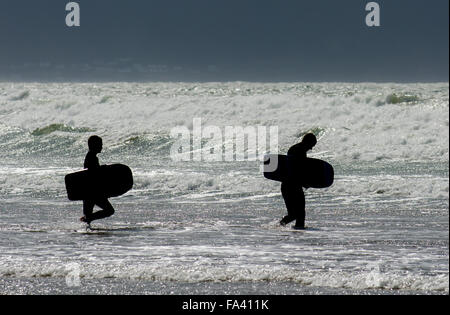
<point>211,227</point>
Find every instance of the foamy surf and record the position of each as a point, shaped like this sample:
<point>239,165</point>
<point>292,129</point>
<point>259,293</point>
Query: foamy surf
<point>382,226</point>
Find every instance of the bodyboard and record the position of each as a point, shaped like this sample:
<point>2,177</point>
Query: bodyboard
<point>307,172</point>
<point>106,182</point>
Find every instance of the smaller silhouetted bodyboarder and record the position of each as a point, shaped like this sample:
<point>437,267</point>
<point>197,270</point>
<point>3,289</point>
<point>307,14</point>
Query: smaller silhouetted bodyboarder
<point>292,193</point>
<point>92,164</point>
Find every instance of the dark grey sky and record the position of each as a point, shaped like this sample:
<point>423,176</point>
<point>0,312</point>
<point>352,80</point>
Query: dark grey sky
<point>262,40</point>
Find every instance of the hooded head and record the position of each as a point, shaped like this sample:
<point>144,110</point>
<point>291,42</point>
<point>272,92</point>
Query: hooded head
<point>309,140</point>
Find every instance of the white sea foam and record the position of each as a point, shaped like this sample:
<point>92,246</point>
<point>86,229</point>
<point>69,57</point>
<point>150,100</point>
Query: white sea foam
<point>231,185</point>
<point>383,223</point>
<point>369,278</point>
<point>357,120</point>
<point>355,123</point>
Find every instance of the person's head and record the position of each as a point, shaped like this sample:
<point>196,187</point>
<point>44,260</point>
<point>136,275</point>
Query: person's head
<point>309,140</point>
<point>95,144</point>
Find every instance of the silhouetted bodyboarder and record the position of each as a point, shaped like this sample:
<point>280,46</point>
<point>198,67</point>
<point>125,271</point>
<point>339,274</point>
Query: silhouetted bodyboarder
<point>91,163</point>
<point>292,193</point>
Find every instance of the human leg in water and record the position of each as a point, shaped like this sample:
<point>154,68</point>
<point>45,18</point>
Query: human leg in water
<point>88,207</point>
<point>294,198</point>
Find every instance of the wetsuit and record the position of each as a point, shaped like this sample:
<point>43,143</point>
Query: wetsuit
<point>292,193</point>
<point>92,164</point>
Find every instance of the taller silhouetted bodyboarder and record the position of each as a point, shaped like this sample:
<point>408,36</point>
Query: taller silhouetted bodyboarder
<point>292,192</point>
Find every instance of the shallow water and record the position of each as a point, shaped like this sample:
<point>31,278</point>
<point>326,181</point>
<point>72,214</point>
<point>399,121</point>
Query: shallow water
<point>212,227</point>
